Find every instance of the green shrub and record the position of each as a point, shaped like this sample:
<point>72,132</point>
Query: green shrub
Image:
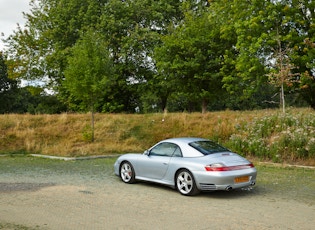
<point>87,134</point>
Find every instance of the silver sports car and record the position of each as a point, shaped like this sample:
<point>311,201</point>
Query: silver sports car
<point>188,164</point>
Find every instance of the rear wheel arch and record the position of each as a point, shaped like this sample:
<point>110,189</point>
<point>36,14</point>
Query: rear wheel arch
<point>176,173</point>
<point>189,189</point>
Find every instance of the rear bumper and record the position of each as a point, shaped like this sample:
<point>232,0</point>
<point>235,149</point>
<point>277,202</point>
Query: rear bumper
<point>210,181</point>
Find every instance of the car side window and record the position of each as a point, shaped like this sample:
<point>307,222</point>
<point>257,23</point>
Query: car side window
<point>177,152</point>
<point>165,149</point>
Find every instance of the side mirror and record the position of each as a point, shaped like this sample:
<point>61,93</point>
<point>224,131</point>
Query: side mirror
<point>146,152</point>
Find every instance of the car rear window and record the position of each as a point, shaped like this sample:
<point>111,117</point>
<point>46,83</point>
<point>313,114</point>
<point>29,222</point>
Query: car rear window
<point>208,147</point>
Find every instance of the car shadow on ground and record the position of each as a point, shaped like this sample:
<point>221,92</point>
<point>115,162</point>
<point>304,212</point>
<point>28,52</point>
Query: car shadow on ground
<point>233,194</point>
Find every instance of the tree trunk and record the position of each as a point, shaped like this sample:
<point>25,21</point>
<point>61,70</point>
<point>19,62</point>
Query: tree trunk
<point>282,98</point>
<point>204,106</point>
<point>92,122</point>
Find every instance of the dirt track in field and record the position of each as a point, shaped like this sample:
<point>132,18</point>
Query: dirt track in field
<point>71,201</point>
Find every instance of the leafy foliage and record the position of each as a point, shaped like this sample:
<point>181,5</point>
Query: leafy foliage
<point>176,55</point>
<point>8,88</point>
<point>27,99</point>
<point>190,59</point>
<point>90,70</point>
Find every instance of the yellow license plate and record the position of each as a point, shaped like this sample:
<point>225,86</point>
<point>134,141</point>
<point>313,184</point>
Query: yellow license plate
<point>241,179</point>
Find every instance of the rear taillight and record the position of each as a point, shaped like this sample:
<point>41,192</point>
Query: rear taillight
<point>221,167</point>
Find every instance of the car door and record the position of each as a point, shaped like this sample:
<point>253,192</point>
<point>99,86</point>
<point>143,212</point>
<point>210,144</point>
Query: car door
<point>157,161</point>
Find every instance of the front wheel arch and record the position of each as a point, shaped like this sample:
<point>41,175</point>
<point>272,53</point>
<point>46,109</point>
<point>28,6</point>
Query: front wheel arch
<point>127,172</point>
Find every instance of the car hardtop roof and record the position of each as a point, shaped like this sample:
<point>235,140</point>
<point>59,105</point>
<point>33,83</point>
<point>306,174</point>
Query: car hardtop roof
<point>185,140</point>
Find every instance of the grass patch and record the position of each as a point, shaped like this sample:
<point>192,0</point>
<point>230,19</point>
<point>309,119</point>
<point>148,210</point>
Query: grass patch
<point>9,226</point>
<point>287,182</point>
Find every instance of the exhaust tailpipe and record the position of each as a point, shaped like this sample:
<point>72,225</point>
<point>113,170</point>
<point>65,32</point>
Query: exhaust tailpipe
<point>228,188</point>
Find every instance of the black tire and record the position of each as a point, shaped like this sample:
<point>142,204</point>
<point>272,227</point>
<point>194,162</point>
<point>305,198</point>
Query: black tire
<point>185,183</point>
<point>127,173</point>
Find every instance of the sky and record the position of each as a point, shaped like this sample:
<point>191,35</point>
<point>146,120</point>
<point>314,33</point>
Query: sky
<point>10,15</point>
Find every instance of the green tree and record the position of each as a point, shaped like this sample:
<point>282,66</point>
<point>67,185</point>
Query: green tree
<point>302,15</point>
<point>190,58</point>
<point>259,26</point>
<point>244,62</point>
<point>39,52</point>
<point>90,72</point>
<point>133,29</point>
<point>8,88</point>
<point>200,47</point>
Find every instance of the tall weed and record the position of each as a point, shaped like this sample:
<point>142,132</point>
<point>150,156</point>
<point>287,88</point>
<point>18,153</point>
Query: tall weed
<point>280,137</point>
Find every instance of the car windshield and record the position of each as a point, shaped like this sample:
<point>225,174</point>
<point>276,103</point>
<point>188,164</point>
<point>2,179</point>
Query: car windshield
<point>208,147</point>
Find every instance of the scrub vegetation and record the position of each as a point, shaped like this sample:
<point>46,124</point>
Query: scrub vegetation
<point>261,134</point>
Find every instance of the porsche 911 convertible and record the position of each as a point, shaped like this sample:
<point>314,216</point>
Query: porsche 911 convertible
<point>188,164</point>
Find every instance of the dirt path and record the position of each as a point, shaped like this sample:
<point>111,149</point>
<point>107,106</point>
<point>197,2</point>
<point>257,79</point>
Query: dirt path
<point>115,205</point>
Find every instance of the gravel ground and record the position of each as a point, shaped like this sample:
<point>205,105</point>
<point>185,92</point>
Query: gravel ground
<point>46,194</point>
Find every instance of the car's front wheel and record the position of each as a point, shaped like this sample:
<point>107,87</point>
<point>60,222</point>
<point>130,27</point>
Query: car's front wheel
<point>185,183</point>
<point>127,173</point>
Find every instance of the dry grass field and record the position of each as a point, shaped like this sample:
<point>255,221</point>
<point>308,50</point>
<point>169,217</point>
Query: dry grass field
<point>69,134</point>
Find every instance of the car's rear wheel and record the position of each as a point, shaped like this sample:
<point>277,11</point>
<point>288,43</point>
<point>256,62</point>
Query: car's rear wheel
<point>185,183</point>
<point>127,173</point>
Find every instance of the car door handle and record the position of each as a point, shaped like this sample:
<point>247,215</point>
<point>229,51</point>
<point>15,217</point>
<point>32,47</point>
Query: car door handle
<point>165,163</point>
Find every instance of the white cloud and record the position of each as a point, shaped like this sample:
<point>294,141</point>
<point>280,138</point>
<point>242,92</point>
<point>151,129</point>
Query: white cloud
<point>11,15</point>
